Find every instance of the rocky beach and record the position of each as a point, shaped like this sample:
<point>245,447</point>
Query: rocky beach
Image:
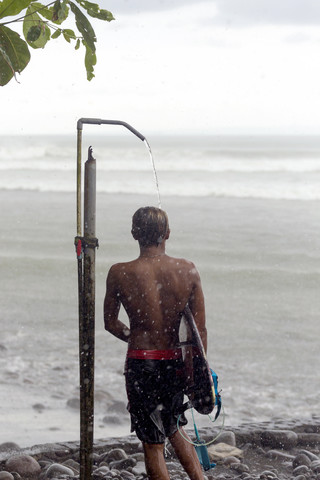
<point>272,450</point>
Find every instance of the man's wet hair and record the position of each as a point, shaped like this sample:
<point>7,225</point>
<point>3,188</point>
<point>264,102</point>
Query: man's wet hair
<point>150,226</point>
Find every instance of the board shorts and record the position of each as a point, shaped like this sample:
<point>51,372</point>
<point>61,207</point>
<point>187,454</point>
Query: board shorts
<point>155,393</point>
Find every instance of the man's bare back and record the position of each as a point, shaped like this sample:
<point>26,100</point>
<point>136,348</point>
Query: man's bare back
<point>154,290</point>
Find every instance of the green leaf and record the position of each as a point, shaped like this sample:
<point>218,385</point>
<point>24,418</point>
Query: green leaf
<point>12,7</point>
<point>31,20</point>
<point>14,54</point>
<point>90,60</point>
<point>94,10</point>
<point>60,11</point>
<point>57,33</point>
<point>84,27</point>
<point>77,44</point>
<point>43,10</point>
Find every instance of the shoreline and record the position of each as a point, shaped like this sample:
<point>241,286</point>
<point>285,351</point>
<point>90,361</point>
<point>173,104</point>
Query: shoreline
<point>266,450</point>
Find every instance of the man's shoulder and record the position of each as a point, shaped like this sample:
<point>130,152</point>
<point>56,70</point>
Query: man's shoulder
<point>121,267</point>
<point>182,263</point>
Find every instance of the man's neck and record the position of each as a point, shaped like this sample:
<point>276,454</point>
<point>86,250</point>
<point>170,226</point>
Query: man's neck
<point>152,251</point>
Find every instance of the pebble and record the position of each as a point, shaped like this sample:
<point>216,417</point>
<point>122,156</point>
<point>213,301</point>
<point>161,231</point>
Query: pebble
<point>284,439</point>
<point>6,476</point>
<point>56,470</point>
<point>301,459</point>
<point>227,437</point>
<point>9,446</point>
<point>24,465</point>
<point>301,470</point>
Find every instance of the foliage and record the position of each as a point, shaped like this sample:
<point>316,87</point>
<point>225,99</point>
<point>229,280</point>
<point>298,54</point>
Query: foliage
<point>42,23</point>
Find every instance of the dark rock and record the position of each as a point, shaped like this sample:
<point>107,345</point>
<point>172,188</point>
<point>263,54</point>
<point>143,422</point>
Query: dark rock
<point>9,447</point>
<point>301,470</point>
<point>123,464</point>
<point>315,466</point>
<point>284,439</point>
<point>311,455</point>
<point>56,470</point>
<point>301,459</point>
<point>230,460</point>
<point>267,474</point>
<point>6,476</point>
<point>227,437</point>
<point>72,464</point>
<point>308,439</point>
<point>280,455</point>
<point>139,469</point>
<point>240,467</point>
<point>25,465</point>
<point>115,454</point>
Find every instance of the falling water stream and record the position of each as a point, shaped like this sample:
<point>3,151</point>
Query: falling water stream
<point>145,141</point>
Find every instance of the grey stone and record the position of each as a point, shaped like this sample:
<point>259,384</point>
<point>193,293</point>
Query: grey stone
<point>300,477</point>
<point>227,437</point>
<point>6,476</point>
<point>56,469</point>
<point>9,447</point>
<point>223,450</point>
<point>115,454</point>
<point>284,439</point>
<point>315,466</point>
<point>139,468</point>
<point>102,469</point>
<point>25,465</point>
<point>230,460</point>
<point>123,463</point>
<point>268,474</point>
<point>308,439</point>
<point>301,470</point>
<point>240,467</point>
<point>311,455</point>
<point>138,456</point>
<point>72,464</point>
<point>301,459</point>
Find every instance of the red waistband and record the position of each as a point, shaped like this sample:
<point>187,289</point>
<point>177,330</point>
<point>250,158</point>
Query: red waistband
<point>155,354</point>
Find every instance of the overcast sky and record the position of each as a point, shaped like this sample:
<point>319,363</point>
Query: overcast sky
<point>180,66</point>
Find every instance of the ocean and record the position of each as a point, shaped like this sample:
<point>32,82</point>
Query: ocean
<point>244,209</point>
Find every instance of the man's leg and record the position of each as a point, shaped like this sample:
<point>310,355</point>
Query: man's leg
<point>187,455</point>
<point>156,467</point>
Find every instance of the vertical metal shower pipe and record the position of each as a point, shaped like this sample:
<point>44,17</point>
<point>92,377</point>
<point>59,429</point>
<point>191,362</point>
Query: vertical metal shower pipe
<point>87,329</point>
<point>86,292</point>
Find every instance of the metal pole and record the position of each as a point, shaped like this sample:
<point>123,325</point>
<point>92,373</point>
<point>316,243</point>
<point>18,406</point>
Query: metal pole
<point>85,247</point>
<point>87,328</point>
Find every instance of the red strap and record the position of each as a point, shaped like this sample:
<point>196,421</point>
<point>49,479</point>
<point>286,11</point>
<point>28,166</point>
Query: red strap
<point>155,354</point>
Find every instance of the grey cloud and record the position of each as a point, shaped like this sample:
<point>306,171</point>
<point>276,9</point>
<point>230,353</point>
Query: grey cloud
<point>239,13</point>
<point>141,6</point>
<point>234,13</point>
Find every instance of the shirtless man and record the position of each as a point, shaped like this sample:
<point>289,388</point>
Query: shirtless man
<point>154,289</point>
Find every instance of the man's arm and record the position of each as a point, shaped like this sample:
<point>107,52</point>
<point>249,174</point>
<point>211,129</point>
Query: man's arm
<point>196,304</point>
<point>112,306</point>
